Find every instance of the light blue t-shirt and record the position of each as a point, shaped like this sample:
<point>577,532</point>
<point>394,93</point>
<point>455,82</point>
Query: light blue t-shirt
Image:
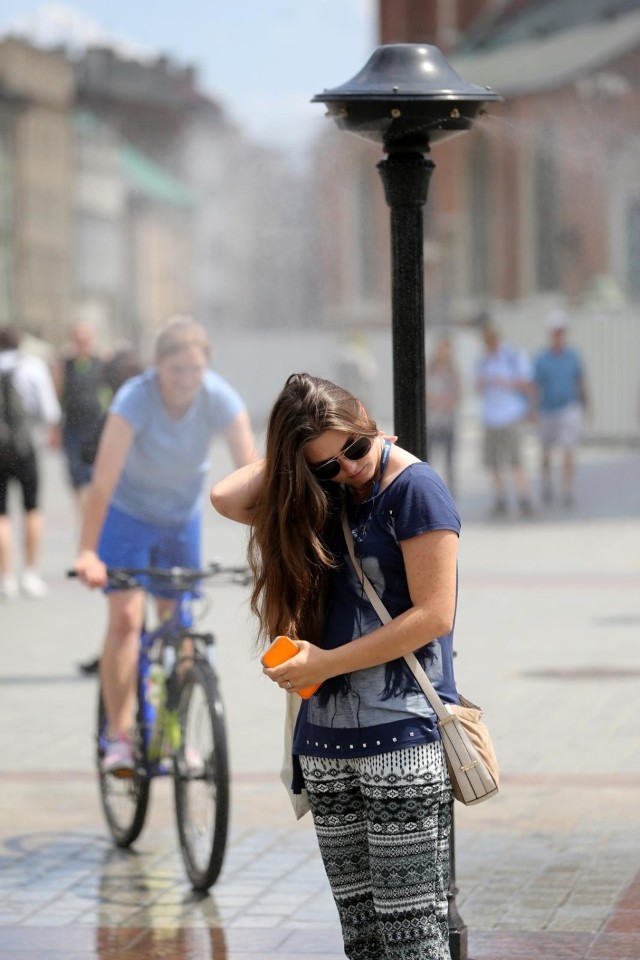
<point>558,374</point>
<point>165,469</point>
<point>503,405</point>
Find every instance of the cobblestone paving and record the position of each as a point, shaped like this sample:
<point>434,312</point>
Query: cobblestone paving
<point>547,641</point>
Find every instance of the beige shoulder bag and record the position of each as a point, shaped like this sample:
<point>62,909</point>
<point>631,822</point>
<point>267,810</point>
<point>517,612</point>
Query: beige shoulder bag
<point>469,753</point>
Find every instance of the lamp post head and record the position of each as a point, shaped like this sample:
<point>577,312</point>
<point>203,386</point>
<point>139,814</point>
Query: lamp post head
<point>406,97</point>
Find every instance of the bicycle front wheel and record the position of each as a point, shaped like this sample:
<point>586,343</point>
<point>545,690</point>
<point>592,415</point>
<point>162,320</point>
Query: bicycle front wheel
<point>124,798</point>
<point>201,777</point>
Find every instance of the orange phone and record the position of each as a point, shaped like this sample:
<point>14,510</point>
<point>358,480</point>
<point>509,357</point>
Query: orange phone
<point>281,650</point>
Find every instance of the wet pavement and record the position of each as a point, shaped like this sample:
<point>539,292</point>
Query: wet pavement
<point>547,641</point>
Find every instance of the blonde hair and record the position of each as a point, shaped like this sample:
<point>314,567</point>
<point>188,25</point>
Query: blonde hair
<point>179,332</point>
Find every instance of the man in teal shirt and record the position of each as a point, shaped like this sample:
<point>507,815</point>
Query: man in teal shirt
<point>561,398</point>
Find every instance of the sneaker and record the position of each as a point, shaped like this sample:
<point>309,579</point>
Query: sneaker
<point>33,586</point>
<point>191,763</point>
<point>118,758</point>
<point>8,588</point>
<point>89,667</point>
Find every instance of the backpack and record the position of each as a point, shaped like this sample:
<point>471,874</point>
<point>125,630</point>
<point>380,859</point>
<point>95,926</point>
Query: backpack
<point>15,432</point>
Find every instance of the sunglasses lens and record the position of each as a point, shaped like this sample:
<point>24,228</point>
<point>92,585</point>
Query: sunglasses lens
<point>327,471</point>
<point>358,449</point>
<point>355,451</point>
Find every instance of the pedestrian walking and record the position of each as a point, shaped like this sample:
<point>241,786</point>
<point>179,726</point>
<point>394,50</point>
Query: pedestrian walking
<point>80,382</point>
<point>122,366</point>
<point>143,506</point>
<point>443,399</point>
<point>366,745</point>
<point>357,368</point>
<point>27,400</point>
<point>560,400</point>
<point>504,380</point>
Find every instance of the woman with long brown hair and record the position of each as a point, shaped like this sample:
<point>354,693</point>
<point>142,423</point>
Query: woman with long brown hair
<point>367,743</point>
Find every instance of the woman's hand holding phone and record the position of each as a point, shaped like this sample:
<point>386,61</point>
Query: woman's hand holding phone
<point>281,650</point>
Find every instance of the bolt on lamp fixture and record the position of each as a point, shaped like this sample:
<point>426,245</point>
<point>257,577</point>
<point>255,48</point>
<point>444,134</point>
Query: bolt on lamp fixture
<point>406,98</point>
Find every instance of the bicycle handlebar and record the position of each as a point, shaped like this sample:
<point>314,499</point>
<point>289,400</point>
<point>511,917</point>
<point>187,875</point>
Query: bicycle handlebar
<point>128,577</point>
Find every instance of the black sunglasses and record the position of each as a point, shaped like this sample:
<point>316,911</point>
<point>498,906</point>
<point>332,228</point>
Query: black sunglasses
<point>331,468</point>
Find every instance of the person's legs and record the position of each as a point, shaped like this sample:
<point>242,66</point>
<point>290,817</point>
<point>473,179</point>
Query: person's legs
<point>442,437</point>
<point>449,449</point>
<point>493,458</point>
<point>33,526</point>
<point>124,542</point>
<point>407,797</point>
<point>499,492</point>
<point>79,500</point>
<point>513,453</point>
<point>340,823</point>
<point>570,429</point>
<point>119,660</point>
<point>28,475</point>
<point>568,472</point>
<point>79,471</point>
<point>547,434</point>
<point>521,482</point>
<point>8,580</point>
<point>383,828</point>
<point>545,475</point>
<point>6,556</point>
<point>6,544</point>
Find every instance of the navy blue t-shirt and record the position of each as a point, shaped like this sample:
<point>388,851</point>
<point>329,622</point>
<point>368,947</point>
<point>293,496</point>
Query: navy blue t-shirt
<point>380,708</point>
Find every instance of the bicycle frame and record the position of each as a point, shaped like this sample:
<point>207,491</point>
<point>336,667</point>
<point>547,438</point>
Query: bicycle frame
<point>180,732</point>
<point>160,646</point>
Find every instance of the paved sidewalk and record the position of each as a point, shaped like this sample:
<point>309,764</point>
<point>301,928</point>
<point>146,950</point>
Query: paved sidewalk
<point>547,641</point>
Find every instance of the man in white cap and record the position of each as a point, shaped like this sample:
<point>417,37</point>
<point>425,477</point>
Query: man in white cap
<point>561,397</point>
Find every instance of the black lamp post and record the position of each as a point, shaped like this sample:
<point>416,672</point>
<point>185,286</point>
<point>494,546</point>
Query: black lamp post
<point>406,98</point>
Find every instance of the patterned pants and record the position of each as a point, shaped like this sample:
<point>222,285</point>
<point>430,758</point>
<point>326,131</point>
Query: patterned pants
<point>383,827</point>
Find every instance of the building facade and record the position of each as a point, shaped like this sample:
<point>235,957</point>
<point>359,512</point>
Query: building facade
<point>539,201</point>
<point>36,164</point>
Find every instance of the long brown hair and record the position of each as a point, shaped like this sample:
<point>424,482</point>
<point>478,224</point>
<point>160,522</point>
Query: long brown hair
<point>288,551</point>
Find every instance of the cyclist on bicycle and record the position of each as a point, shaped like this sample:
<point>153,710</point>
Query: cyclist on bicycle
<point>143,507</point>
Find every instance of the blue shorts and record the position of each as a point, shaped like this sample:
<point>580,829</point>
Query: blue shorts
<point>128,542</point>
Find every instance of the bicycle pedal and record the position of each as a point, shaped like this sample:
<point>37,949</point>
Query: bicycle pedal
<point>122,774</point>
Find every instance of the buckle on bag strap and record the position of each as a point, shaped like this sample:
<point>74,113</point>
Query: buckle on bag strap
<point>450,718</point>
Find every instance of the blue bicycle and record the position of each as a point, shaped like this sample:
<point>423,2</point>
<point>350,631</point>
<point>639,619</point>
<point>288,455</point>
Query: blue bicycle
<point>179,726</point>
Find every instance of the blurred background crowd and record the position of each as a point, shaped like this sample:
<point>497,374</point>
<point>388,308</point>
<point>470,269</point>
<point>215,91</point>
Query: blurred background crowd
<point>129,193</point>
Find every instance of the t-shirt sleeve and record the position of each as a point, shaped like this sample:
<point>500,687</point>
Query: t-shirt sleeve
<point>225,403</point>
<point>131,401</point>
<point>422,503</point>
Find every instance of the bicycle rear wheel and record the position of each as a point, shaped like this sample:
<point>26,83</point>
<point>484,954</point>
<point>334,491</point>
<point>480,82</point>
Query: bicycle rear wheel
<point>124,798</point>
<point>201,777</point>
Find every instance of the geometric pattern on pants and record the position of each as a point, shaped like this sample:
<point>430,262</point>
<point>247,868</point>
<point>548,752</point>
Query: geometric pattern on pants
<point>383,825</point>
